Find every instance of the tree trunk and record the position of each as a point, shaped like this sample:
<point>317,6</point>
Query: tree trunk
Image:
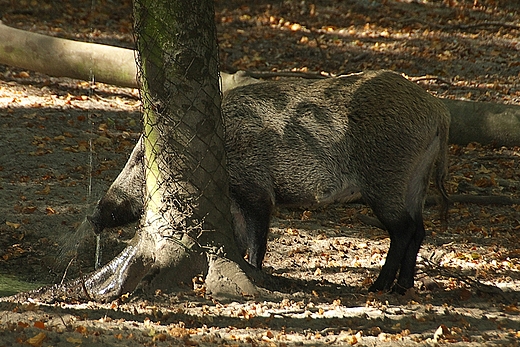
<point>187,226</point>
<point>483,122</point>
<point>186,177</point>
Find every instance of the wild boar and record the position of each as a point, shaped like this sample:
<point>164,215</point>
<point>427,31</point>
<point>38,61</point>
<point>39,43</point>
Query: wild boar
<point>311,142</point>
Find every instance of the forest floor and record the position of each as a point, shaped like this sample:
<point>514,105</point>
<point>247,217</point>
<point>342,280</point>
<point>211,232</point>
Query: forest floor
<point>64,141</point>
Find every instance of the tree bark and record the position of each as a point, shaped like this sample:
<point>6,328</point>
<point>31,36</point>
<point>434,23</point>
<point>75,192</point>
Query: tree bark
<point>186,177</point>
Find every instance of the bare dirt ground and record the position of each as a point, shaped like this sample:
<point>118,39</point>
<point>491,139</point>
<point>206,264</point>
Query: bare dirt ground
<point>63,142</point>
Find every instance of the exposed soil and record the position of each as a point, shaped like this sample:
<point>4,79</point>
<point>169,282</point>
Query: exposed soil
<point>64,141</point>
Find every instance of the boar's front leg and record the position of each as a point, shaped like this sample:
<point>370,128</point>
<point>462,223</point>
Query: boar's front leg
<point>251,208</point>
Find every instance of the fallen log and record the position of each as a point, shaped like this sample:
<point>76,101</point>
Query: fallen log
<point>483,122</point>
<point>67,58</point>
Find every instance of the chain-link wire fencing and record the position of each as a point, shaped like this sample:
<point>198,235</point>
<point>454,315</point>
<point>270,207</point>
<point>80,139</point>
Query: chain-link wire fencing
<point>186,177</point>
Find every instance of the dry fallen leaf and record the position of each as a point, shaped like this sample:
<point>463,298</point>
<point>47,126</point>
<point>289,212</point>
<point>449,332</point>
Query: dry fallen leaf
<point>13,225</point>
<point>512,308</point>
<point>465,294</point>
<point>45,191</point>
<point>37,340</point>
<point>159,337</point>
<point>81,329</point>
<point>77,340</point>
<point>178,332</point>
<point>39,325</point>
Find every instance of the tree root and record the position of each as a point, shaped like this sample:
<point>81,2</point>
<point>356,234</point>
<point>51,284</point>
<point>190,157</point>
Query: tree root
<point>226,280</point>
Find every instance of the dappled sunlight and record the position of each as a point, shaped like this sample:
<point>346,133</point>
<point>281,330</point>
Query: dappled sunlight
<point>64,141</point>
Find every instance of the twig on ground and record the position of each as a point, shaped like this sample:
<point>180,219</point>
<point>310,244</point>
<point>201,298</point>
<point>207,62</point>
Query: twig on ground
<point>486,24</point>
<point>484,199</point>
<point>292,74</point>
<point>434,269</point>
<point>462,26</point>
<point>429,78</point>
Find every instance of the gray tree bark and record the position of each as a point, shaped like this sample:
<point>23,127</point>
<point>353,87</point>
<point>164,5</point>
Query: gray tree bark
<point>483,122</point>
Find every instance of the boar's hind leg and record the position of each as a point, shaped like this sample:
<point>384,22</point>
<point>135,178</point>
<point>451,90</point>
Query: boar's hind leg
<point>252,214</point>
<point>406,235</point>
<point>404,222</point>
<point>407,271</point>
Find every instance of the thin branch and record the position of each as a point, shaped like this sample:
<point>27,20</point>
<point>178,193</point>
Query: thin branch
<point>433,269</point>
<point>293,74</point>
<point>462,26</point>
<point>487,24</point>
<point>485,199</point>
<point>429,78</point>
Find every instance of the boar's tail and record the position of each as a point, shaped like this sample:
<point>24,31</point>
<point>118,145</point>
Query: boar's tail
<point>441,171</point>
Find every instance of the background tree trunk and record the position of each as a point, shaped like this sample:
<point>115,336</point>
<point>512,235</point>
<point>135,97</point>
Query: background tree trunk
<point>483,122</point>
<point>67,58</point>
